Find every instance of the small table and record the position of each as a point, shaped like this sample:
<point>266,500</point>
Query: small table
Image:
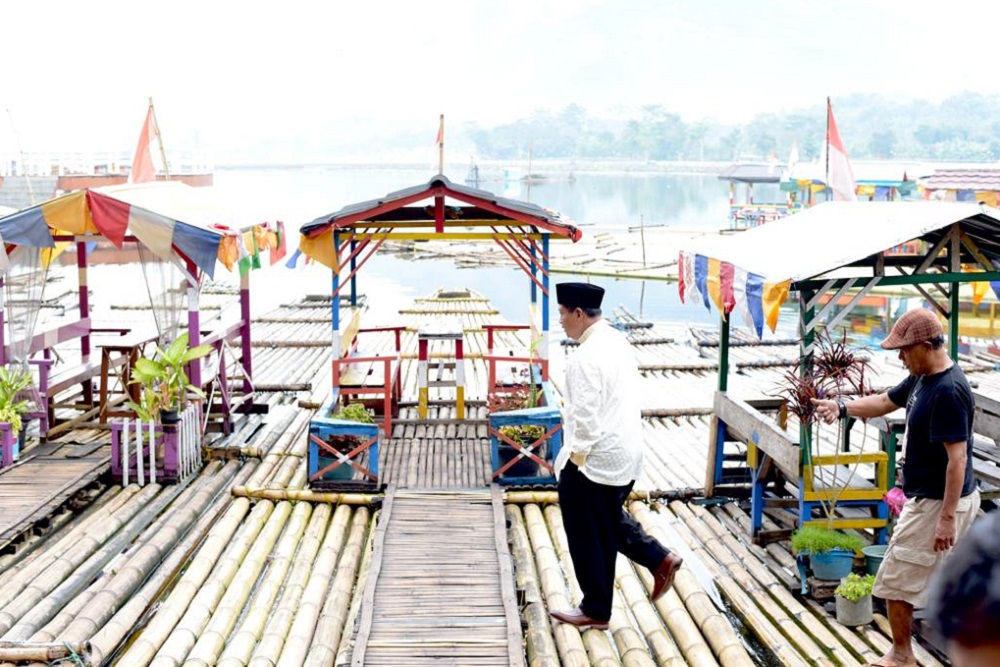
<point>121,353</point>
<point>445,330</point>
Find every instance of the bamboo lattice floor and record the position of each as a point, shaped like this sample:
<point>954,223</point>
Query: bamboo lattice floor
<point>440,589</point>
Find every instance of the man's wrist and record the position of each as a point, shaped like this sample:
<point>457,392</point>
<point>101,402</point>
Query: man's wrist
<point>841,407</point>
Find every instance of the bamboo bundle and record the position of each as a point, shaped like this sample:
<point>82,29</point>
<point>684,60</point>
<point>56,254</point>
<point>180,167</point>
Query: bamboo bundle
<point>114,631</point>
<point>117,583</point>
<point>757,591</point>
<point>759,623</point>
<point>73,583</point>
<point>661,645</point>
<point>24,599</point>
<point>346,644</point>
<point>244,638</point>
<point>819,632</point>
<point>296,642</point>
<point>538,635</point>
<point>308,496</point>
<point>631,645</point>
<point>14,581</point>
<point>192,587</point>
<point>848,637</point>
<point>201,636</point>
<point>684,631</point>
<point>567,638</point>
<point>268,649</point>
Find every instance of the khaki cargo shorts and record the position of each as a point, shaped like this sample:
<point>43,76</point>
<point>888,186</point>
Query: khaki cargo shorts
<point>910,560</point>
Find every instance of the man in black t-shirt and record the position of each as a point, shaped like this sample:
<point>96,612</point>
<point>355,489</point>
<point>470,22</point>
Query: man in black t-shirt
<point>937,469</point>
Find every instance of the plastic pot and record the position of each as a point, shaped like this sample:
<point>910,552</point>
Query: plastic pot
<point>873,557</point>
<point>832,565</point>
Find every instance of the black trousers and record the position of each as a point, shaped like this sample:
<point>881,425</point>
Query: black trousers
<point>597,528</point>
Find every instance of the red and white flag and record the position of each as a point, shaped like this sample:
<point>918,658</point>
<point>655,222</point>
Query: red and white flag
<point>839,175</point>
<point>143,169</point>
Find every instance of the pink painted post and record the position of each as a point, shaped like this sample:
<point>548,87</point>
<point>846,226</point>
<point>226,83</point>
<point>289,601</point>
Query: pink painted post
<point>81,263</point>
<point>194,326</point>
<point>3,338</point>
<point>245,333</point>
<point>7,445</point>
<point>171,438</point>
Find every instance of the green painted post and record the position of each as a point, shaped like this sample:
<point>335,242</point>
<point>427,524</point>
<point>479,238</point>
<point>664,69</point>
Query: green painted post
<point>807,339</point>
<point>953,323</point>
<point>723,352</point>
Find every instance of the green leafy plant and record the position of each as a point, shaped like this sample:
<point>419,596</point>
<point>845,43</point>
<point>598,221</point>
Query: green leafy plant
<point>817,540</point>
<point>854,587</point>
<point>524,434</point>
<point>13,380</point>
<point>355,412</point>
<point>164,383</point>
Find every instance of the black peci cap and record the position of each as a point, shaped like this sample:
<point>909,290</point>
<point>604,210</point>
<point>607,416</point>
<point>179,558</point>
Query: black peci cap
<point>579,295</point>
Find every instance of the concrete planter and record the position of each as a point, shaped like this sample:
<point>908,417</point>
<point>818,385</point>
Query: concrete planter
<point>853,614</point>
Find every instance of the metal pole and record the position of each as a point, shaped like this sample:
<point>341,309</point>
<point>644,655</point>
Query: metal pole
<point>953,322</point>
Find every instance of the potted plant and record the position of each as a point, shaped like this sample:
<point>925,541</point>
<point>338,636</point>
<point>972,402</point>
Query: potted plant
<point>165,385</point>
<point>830,552</point>
<point>13,381</point>
<point>854,600</point>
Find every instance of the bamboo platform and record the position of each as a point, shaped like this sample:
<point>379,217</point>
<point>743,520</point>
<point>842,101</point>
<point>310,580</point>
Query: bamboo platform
<point>241,566</point>
<point>46,478</point>
<point>428,605</point>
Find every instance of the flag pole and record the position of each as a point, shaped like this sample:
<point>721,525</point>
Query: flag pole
<point>828,110</point>
<point>441,145</point>
<point>159,140</point>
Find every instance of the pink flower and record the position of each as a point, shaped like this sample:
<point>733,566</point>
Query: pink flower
<point>896,499</point>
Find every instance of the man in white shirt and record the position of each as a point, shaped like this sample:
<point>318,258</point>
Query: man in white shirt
<point>601,459</point>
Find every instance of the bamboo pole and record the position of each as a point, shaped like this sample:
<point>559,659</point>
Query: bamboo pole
<point>661,645</point>
<point>568,639</point>
<point>194,589</point>
<point>541,647</point>
<point>319,654</point>
<point>86,614</point>
<point>25,599</point>
<point>268,649</point>
<point>308,496</point>
<point>201,638</point>
<point>45,652</point>
<point>241,642</point>
<point>114,631</point>
<point>299,638</point>
<point>598,645</point>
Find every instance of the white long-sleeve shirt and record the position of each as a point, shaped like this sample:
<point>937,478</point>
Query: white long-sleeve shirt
<point>602,419</point>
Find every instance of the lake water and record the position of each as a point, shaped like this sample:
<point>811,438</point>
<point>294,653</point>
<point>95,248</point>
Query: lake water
<point>595,201</point>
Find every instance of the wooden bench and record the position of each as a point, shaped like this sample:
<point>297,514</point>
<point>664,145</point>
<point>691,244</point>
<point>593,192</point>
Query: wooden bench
<point>371,374</point>
<point>771,450</point>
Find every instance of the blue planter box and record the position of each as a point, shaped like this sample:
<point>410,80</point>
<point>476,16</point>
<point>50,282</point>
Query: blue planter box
<point>325,429</point>
<point>526,471</point>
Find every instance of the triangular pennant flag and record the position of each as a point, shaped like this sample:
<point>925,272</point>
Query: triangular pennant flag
<point>294,259</point>
<point>839,176</point>
<point>143,170</point>
<point>280,248</point>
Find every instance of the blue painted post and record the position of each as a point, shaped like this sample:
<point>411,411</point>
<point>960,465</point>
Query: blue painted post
<point>534,274</point>
<point>354,276</point>
<point>545,286</point>
<point>335,300</point>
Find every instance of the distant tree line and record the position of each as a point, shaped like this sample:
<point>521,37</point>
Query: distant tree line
<point>964,127</point>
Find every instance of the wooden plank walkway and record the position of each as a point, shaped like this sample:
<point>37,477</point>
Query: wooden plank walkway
<point>441,588</point>
<point>33,489</point>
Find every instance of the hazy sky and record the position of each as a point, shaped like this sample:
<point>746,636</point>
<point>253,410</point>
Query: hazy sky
<point>77,75</point>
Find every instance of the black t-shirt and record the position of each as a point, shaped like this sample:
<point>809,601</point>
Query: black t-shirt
<point>939,409</point>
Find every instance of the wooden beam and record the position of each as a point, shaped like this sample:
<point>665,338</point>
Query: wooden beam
<point>752,425</point>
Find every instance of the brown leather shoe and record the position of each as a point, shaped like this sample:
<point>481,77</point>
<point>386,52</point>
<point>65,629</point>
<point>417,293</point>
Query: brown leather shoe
<point>578,619</point>
<point>663,577</point>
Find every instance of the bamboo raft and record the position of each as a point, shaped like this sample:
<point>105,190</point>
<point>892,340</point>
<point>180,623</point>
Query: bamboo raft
<point>243,565</point>
<point>428,605</point>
